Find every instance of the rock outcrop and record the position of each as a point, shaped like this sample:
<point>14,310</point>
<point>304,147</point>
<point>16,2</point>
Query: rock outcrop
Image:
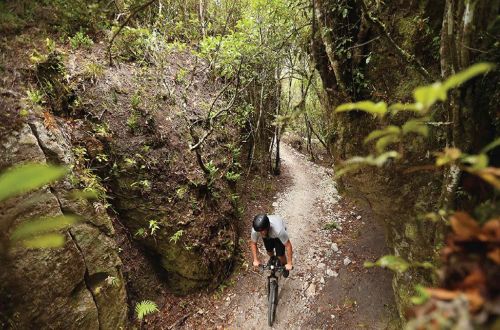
<point>79,285</point>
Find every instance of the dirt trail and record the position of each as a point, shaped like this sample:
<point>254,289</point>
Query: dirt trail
<point>300,206</point>
<point>329,288</point>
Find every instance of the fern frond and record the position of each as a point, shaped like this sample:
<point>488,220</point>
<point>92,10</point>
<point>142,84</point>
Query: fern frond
<point>144,308</point>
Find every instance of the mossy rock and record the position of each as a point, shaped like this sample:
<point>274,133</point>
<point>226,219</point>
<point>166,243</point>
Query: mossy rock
<point>186,270</point>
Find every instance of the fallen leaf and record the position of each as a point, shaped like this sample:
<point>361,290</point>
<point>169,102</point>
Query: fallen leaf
<point>495,255</point>
<point>475,279</point>
<point>476,300</point>
<point>491,231</point>
<point>490,175</point>
<point>442,294</point>
<point>49,121</point>
<point>464,225</point>
<point>474,297</point>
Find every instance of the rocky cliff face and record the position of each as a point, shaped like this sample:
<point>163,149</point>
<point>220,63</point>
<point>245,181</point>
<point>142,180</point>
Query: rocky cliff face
<point>80,284</point>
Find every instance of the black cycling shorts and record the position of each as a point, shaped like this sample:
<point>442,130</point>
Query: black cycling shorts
<point>274,243</point>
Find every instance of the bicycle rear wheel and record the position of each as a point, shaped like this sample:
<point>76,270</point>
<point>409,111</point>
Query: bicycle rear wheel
<point>273,301</point>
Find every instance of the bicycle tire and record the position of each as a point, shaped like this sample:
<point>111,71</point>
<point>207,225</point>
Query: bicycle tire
<point>267,288</point>
<point>273,296</point>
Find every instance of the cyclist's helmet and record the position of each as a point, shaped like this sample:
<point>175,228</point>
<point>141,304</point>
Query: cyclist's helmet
<point>261,222</point>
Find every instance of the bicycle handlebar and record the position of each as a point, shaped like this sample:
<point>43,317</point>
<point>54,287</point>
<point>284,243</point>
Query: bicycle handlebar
<point>271,267</point>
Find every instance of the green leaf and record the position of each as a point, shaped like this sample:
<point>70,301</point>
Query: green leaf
<point>416,126</point>
<point>397,107</point>
<point>428,95</point>
<point>21,179</point>
<point>478,162</point>
<point>144,308</point>
<point>394,263</point>
<point>383,142</point>
<point>425,264</point>
<point>370,160</point>
<point>42,225</point>
<point>383,158</point>
<point>331,225</point>
<point>346,168</point>
<point>491,146</point>
<point>357,162</point>
<point>449,155</point>
<point>421,297</point>
<point>45,241</point>
<point>461,77</point>
<point>378,109</point>
<point>389,130</point>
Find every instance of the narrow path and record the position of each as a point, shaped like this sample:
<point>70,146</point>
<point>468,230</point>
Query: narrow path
<point>302,207</point>
<point>329,288</point>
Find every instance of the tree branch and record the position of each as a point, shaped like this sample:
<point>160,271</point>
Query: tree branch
<point>135,12</point>
<point>411,59</point>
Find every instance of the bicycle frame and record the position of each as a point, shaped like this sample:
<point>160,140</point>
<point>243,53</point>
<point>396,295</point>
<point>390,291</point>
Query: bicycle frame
<point>275,267</point>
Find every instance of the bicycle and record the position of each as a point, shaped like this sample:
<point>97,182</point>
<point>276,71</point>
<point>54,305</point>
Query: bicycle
<point>274,265</point>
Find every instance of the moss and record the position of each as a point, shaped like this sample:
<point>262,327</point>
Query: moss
<point>186,269</point>
<point>407,28</point>
<point>407,81</point>
<point>410,231</point>
<point>403,290</point>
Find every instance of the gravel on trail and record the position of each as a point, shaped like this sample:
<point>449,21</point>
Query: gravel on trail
<point>328,258</point>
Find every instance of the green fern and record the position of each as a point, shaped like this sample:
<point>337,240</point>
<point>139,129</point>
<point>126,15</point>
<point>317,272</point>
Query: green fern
<point>144,308</point>
<point>112,281</point>
<point>153,226</point>
<point>175,237</point>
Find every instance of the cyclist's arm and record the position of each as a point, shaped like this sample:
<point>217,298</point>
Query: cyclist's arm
<point>289,252</point>
<point>253,248</point>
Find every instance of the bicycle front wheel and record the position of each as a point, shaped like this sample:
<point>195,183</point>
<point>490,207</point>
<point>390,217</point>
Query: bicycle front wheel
<point>273,301</point>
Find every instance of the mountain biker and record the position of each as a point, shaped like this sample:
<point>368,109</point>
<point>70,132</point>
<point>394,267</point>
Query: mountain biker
<point>272,229</point>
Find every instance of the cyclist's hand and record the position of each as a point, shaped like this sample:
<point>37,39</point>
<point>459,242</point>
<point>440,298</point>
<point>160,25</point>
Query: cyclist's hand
<point>256,263</point>
<point>288,266</point>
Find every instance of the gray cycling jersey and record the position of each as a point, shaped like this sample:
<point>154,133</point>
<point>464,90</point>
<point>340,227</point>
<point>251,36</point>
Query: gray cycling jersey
<point>277,230</point>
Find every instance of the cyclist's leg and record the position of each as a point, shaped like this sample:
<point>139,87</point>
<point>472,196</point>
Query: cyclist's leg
<point>280,250</point>
<point>269,245</point>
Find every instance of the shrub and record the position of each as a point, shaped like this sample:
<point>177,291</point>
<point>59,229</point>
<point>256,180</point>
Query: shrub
<point>232,176</point>
<point>80,39</point>
<point>93,71</point>
<point>74,15</point>
<point>133,121</point>
<point>131,44</point>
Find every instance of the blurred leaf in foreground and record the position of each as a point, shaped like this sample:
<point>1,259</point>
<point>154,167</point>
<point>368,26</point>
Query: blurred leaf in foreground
<point>31,228</point>
<point>394,263</point>
<point>21,179</point>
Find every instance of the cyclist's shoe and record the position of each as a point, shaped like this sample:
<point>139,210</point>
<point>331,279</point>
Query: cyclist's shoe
<point>286,272</point>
